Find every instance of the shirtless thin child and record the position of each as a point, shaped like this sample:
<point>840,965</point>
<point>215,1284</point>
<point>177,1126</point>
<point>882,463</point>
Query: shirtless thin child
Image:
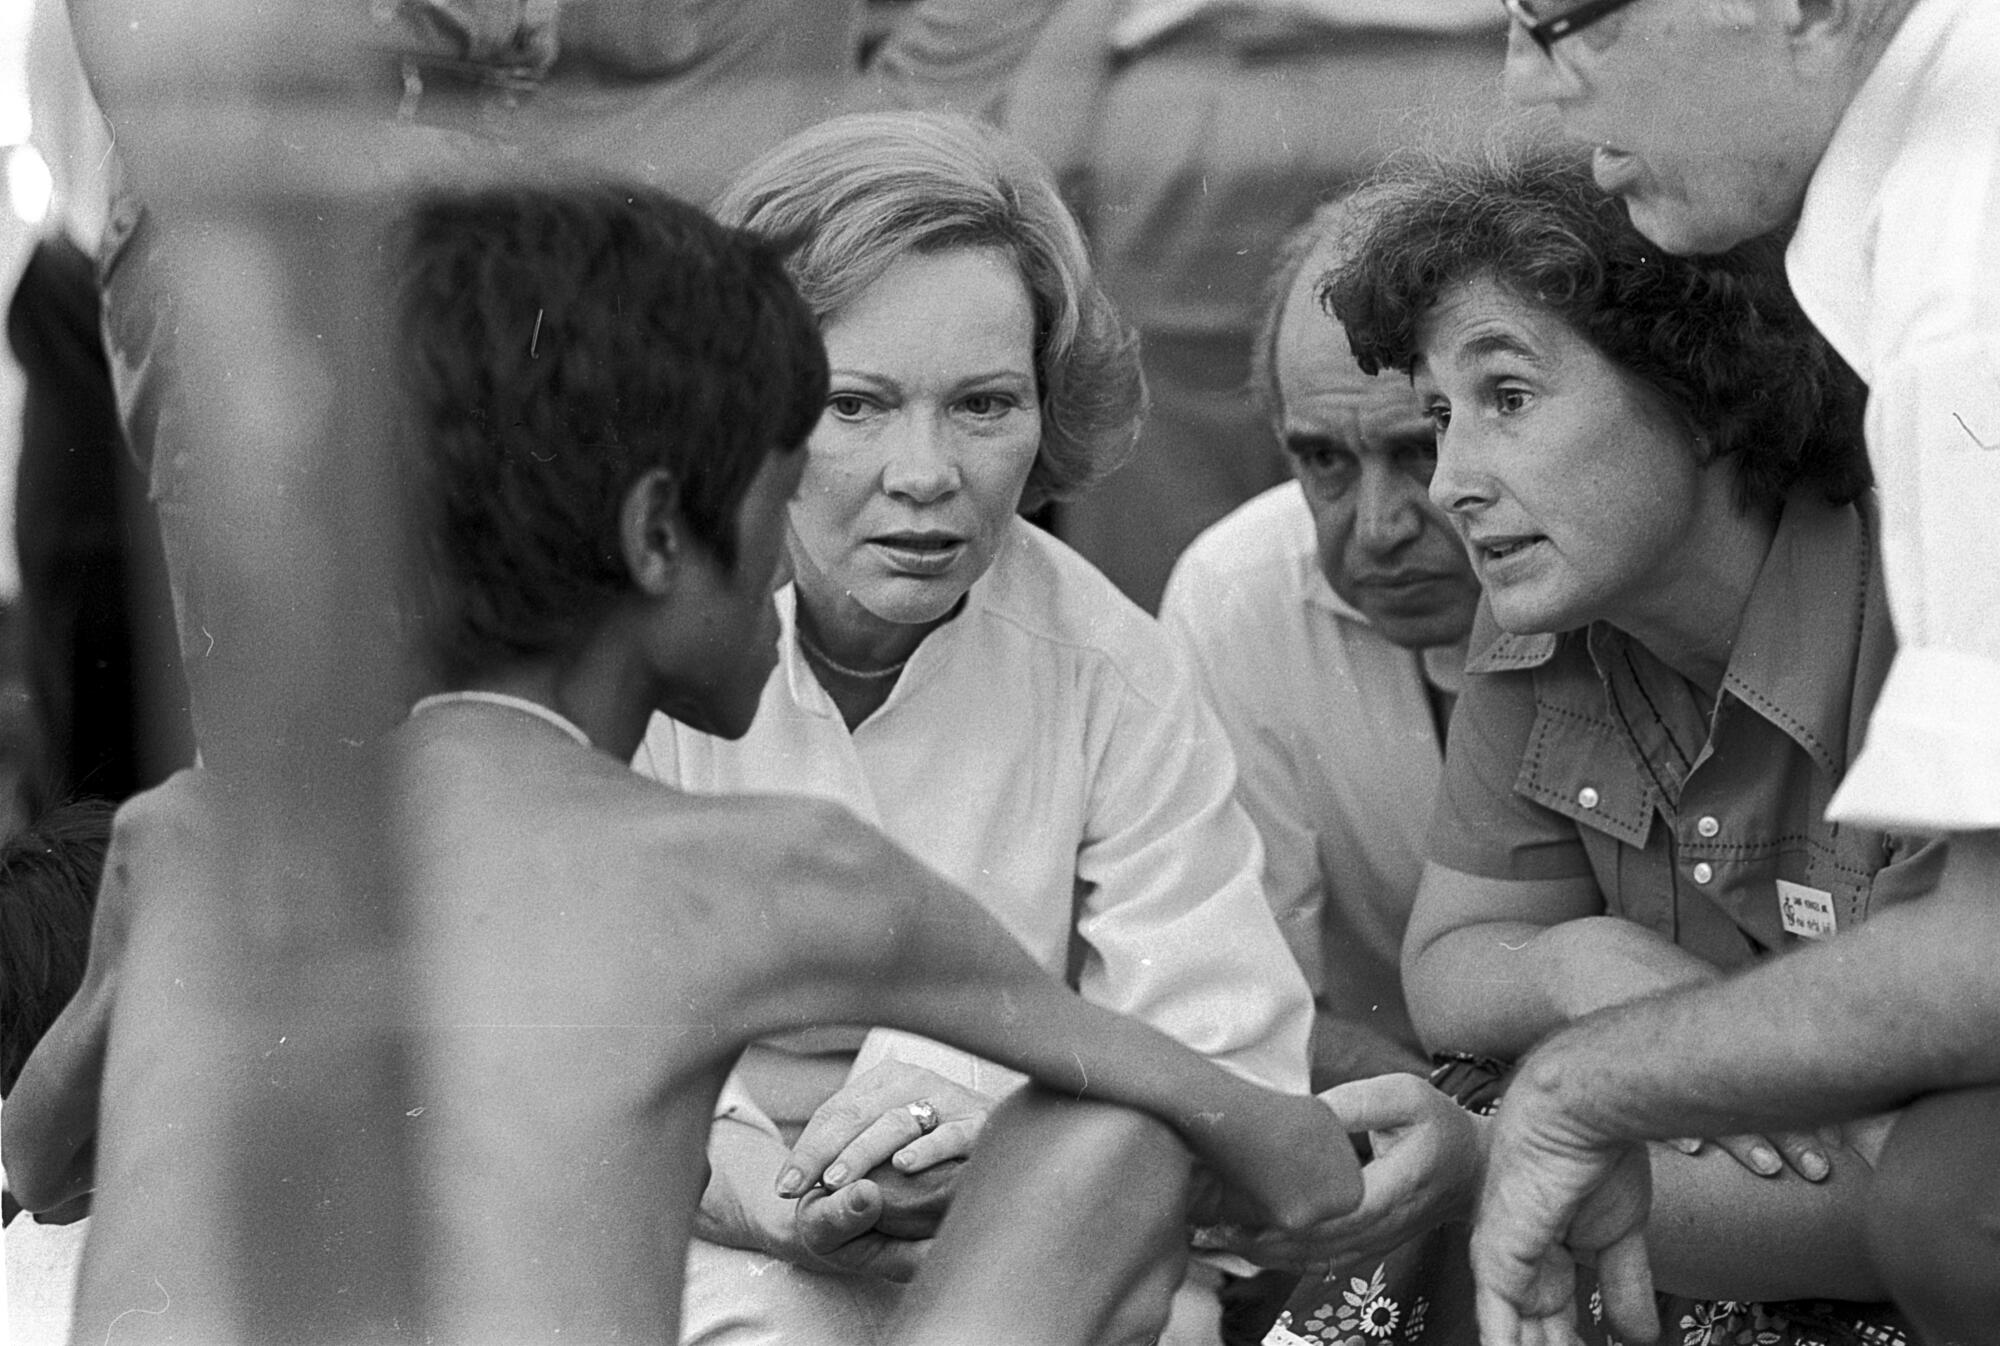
<point>609,398</point>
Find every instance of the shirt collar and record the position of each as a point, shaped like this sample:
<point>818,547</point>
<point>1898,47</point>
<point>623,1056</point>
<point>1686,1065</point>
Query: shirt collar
<point>1444,665</point>
<point>1318,591</point>
<point>1796,652</point>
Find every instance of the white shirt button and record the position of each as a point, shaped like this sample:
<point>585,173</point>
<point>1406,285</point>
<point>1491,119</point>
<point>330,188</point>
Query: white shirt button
<point>1708,826</point>
<point>1587,797</point>
<point>1703,872</point>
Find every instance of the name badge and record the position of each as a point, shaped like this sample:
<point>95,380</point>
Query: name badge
<point>1807,912</point>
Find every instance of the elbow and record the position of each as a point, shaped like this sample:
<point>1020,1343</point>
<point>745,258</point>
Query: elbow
<point>1429,985</point>
<point>44,1175</point>
<point>1448,982</point>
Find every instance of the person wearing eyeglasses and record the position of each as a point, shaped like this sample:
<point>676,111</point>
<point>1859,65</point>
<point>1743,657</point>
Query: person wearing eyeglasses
<point>1871,128</point>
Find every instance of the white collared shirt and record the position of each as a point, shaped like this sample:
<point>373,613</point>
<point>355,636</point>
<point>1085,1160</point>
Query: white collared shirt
<point>1897,260</point>
<point>1046,751</point>
<point>1336,752</point>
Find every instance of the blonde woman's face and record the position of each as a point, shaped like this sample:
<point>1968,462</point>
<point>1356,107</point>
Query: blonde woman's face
<point>918,462</point>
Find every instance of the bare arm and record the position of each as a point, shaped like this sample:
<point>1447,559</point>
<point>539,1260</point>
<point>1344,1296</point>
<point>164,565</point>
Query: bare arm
<point>1534,964</point>
<point>1492,966</point>
<point>1903,1006</point>
<point>1344,1050</point>
<point>52,1112</point>
<point>950,971</point>
<point>51,1126</point>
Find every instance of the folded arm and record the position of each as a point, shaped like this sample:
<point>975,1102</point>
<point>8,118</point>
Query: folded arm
<point>927,957</point>
<point>1901,1007</point>
<point>1492,966</point>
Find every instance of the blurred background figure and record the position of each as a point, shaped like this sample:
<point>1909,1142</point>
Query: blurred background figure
<point>81,584</point>
<point>1191,136</point>
<point>93,619</point>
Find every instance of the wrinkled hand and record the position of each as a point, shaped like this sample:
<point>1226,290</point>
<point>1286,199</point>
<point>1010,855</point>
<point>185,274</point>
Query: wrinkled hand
<point>1804,1152</point>
<point>1428,1160</point>
<point>1552,1195</point>
<point>869,1122</point>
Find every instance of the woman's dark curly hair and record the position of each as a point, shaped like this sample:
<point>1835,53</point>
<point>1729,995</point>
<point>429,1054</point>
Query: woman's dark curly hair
<point>559,340</point>
<point>1719,338</point>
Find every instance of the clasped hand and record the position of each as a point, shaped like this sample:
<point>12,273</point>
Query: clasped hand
<point>1425,1172</point>
<point>872,1184</point>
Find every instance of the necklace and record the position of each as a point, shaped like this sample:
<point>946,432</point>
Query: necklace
<point>865,674</point>
<point>511,702</point>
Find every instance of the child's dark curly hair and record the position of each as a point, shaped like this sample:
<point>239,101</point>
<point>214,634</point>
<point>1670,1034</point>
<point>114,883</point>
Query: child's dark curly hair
<point>560,340</point>
<point>49,873</point>
<point>1720,338</point>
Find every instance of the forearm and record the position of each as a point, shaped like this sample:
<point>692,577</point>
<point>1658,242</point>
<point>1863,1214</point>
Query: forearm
<point>1718,1231</point>
<point>1497,988</point>
<point>910,950</point>
<point>1906,1005</point>
<point>1083,1051</point>
<point>1347,1049</point>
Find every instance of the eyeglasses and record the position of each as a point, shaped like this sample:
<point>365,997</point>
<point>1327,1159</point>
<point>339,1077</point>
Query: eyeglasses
<point>1547,32</point>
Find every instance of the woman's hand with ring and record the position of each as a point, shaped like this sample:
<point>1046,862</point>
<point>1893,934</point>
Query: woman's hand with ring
<point>895,1113</point>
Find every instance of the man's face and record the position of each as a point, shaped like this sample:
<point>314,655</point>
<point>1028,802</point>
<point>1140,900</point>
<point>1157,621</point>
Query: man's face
<point>1361,448</point>
<point>1707,116</point>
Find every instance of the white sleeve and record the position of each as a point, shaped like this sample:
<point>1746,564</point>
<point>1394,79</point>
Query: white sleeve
<point>1172,915</point>
<point>1267,771</point>
<point>1931,759</point>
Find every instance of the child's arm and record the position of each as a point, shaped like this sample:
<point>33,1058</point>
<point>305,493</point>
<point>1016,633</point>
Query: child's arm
<point>872,935</point>
<point>48,1145</point>
<point>49,1148</point>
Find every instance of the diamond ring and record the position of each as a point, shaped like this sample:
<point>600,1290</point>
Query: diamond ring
<point>925,1114</point>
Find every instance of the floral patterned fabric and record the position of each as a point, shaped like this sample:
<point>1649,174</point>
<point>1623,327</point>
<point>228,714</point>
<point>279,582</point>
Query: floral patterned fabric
<point>1359,1313</point>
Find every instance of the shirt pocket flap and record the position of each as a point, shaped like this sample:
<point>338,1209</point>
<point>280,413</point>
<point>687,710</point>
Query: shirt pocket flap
<point>1578,766</point>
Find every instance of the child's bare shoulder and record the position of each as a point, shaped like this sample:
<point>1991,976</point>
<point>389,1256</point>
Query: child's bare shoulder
<point>782,845</point>
<point>159,840</point>
<point>797,868</point>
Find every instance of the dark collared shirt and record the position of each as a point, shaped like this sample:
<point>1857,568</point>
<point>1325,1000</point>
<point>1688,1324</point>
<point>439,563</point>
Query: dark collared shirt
<point>1582,753</point>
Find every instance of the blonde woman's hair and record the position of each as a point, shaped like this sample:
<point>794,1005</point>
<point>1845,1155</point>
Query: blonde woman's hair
<point>853,195</point>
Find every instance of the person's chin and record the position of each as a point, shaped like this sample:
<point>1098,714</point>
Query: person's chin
<point>1685,228</point>
<point>912,600</point>
<point>1523,612</point>
<point>1421,631</point>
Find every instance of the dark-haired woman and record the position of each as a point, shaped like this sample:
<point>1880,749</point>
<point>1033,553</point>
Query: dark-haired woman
<point>1656,467</point>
